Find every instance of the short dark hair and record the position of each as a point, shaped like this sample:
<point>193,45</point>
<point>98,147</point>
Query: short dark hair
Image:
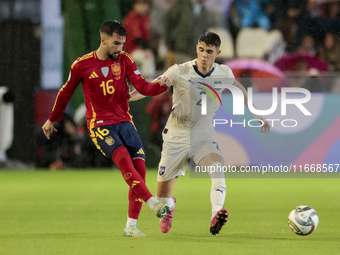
<point>210,38</point>
<point>113,26</point>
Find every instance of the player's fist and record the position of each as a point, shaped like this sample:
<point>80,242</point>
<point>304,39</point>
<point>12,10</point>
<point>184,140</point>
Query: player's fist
<point>165,82</point>
<point>48,128</point>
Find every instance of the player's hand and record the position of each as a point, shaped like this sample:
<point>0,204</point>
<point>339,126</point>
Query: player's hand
<point>165,82</point>
<point>265,127</point>
<point>48,128</point>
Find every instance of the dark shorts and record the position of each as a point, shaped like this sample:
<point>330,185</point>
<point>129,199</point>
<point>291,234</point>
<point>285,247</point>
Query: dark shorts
<point>109,138</point>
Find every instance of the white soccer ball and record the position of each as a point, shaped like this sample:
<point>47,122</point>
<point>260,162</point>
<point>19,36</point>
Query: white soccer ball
<point>303,220</point>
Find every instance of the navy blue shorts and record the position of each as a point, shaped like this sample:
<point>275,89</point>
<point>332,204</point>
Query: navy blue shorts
<point>109,138</point>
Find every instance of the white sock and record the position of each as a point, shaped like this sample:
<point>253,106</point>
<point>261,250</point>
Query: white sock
<point>131,222</point>
<point>167,200</point>
<point>151,201</point>
<point>218,189</point>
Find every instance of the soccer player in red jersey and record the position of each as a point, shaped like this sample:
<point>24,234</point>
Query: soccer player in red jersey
<point>103,74</point>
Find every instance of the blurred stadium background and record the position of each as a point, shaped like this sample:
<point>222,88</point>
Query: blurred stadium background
<point>295,41</point>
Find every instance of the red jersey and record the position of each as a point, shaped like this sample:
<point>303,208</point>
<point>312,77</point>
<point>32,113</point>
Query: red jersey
<point>136,26</point>
<point>105,89</point>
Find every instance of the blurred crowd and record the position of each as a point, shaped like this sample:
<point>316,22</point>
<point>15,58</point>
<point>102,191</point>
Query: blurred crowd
<point>164,32</point>
<point>295,39</point>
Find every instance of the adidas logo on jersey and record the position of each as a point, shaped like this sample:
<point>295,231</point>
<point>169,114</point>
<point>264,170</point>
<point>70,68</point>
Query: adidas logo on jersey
<point>93,75</point>
<point>140,151</point>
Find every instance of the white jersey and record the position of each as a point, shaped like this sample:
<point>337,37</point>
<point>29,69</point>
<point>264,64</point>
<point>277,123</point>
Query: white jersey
<point>186,122</point>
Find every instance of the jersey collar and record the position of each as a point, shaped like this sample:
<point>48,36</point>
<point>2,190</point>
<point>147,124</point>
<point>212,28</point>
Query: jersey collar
<point>202,75</point>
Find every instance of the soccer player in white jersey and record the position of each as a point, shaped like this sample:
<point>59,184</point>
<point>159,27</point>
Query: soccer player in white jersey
<point>190,134</point>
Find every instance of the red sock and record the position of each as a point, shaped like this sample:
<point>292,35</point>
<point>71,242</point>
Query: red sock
<point>135,203</point>
<point>122,159</point>
<point>139,164</point>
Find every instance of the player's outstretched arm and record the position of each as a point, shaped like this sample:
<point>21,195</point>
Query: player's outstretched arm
<point>265,125</point>
<point>48,128</point>
<point>150,88</point>
<point>162,81</point>
<point>153,88</point>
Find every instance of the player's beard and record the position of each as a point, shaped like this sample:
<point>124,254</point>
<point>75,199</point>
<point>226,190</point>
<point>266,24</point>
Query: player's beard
<point>113,57</point>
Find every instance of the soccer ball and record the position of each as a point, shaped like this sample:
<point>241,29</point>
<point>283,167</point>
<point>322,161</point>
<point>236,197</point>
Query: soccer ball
<point>303,220</point>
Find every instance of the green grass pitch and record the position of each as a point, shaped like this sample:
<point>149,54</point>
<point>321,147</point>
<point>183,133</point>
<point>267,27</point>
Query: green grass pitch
<point>84,212</point>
